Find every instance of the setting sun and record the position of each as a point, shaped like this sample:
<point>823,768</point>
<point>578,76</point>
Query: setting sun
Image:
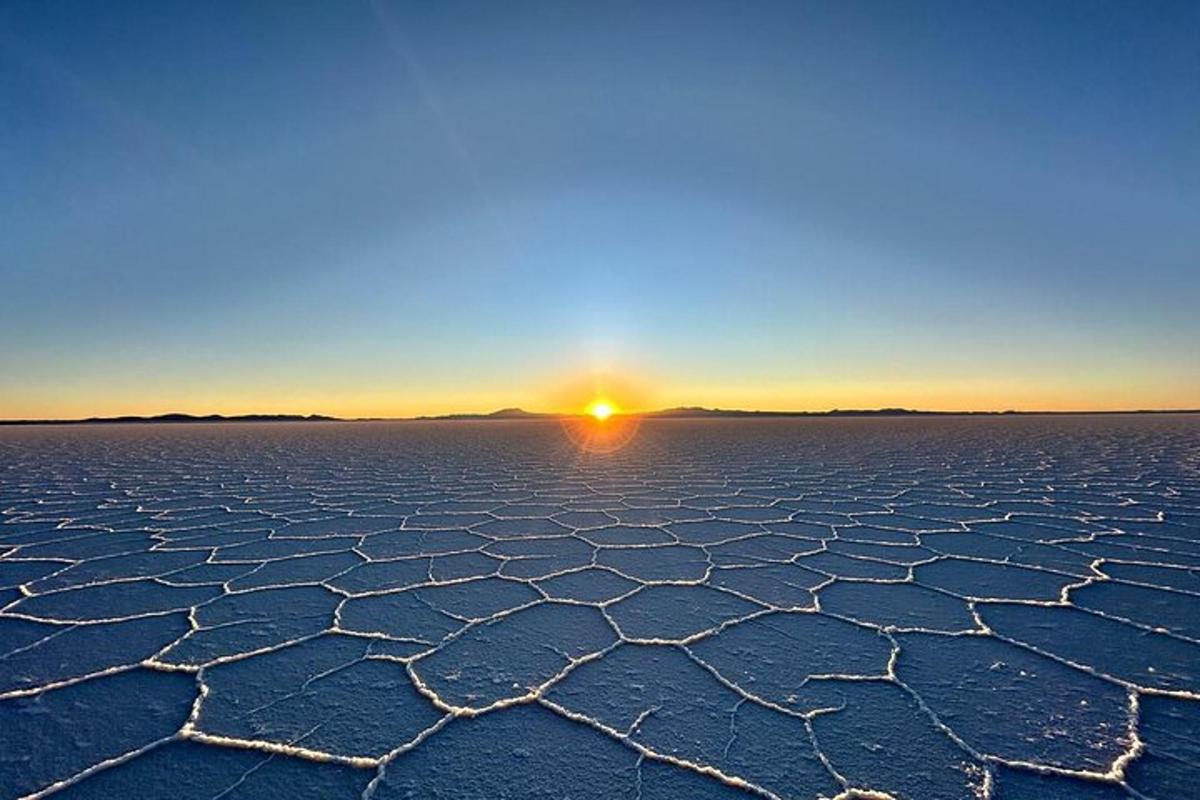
<point>603,427</point>
<point>600,409</point>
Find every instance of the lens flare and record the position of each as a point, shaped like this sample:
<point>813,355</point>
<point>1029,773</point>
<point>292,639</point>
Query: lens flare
<point>601,409</point>
<point>602,428</point>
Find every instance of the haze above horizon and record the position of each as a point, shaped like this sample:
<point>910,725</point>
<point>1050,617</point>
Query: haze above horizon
<point>396,209</point>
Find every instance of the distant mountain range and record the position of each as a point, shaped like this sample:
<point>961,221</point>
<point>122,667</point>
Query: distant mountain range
<point>176,418</point>
<point>504,413</point>
<point>699,412</point>
<point>682,412</point>
<point>690,412</point>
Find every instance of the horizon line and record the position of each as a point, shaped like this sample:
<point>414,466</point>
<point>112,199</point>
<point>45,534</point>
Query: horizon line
<point>677,412</point>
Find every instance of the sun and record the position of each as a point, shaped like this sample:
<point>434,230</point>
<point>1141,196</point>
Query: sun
<point>603,427</point>
<point>600,409</point>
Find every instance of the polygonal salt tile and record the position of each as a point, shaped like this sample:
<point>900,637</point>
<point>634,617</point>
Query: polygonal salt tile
<point>897,605</point>
<point>248,621</point>
<point>627,534</point>
<point>840,566</point>
<point>753,513</point>
<point>982,580</point>
<point>539,558</point>
<point>42,653</point>
<point>298,570</point>
<point>655,516</point>
<point>478,599</point>
<point>522,752</point>
<point>90,545</point>
<point>1158,608</point>
<point>905,555</point>
<point>460,566</point>
<point>879,739</point>
<point>582,520</point>
<point>677,612</point>
<point>268,549</point>
<point>52,736</point>
<point>402,615</point>
<point>775,655</point>
<point>711,531</point>
<point>399,544</point>
<point>1185,580</point>
<point>134,565</point>
<point>320,695</point>
<point>513,655</point>
<point>592,585</point>
<point>520,528</point>
<point>343,525</point>
<point>207,574</point>
<point>875,535</point>
<point>784,586</point>
<point>815,531</point>
<point>1141,657</point>
<point>657,563</point>
<point>674,706</point>
<point>763,548</point>
<point>111,601</point>
<point>1006,701</point>
<point>1012,551</point>
<point>375,576</point>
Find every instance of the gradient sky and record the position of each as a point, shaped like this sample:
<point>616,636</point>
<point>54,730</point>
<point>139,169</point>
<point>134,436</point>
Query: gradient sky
<point>402,208</point>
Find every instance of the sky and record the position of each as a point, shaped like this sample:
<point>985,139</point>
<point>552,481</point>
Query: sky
<point>389,209</point>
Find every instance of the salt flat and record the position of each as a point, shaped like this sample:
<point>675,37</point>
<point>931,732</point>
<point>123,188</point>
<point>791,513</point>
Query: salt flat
<point>1000,607</point>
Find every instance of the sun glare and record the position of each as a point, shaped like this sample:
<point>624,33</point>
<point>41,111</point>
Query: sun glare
<point>602,427</point>
<point>600,409</point>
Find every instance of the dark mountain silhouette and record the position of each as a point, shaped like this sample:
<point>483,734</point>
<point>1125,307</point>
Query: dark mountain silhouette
<point>175,418</point>
<point>699,411</point>
<point>504,413</point>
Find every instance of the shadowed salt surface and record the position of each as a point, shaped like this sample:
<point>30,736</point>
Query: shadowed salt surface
<point>906,608</point>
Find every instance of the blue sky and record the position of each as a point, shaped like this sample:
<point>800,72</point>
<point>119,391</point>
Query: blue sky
<point>394,208</point>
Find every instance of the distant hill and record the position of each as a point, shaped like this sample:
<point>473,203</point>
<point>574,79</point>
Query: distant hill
<point>504,413</point>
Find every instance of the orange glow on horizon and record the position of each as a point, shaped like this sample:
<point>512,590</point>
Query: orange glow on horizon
<point>354,396</point>
<point>618,388</point>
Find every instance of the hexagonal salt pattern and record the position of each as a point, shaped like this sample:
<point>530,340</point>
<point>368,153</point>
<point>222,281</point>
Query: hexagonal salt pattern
<point>909,608</point>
